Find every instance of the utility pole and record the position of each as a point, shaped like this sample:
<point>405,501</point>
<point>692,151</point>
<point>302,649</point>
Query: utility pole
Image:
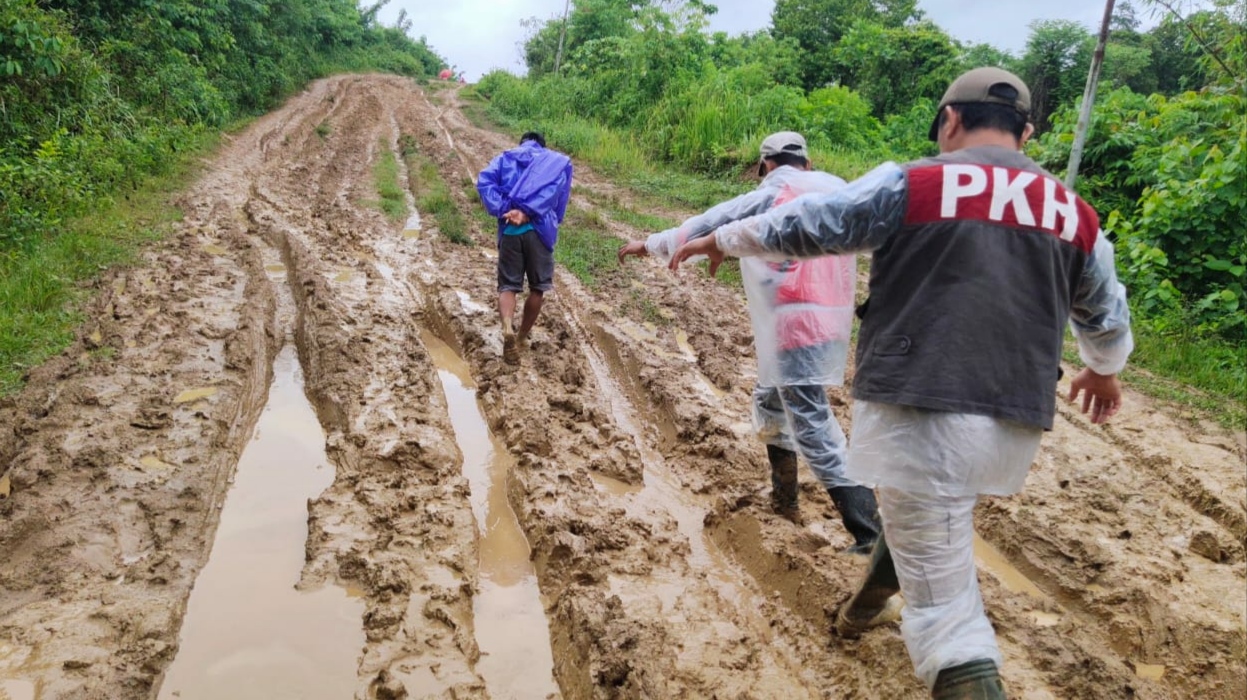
<point>558,57</point>
<point>1088,99</point>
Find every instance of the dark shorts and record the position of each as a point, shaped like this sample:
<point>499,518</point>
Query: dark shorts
<point>521,256</point>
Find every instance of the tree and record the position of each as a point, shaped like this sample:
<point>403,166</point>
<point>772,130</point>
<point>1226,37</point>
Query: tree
<point>981,55</point>
<point>588,20</point>
<point>541,46</point>
<point>1175,57</point>
<point>1055,65</point>
<point>1130,66</point>
<point>818,25</point>
<point>1125,19</point>
<point>895,66</point>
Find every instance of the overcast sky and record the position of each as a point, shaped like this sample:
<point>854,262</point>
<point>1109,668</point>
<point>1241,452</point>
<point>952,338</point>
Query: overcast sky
<point>479,35</point>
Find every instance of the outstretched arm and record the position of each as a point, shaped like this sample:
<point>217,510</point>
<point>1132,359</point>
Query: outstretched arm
<point>1100,321</point>
<point>861,216</point>
<point>665,243</point>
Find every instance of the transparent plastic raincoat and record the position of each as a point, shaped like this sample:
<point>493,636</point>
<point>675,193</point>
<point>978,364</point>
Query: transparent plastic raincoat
<point>801,311</point>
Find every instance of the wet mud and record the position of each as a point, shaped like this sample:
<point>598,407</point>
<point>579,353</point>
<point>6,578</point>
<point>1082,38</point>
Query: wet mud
<point>643,556</point>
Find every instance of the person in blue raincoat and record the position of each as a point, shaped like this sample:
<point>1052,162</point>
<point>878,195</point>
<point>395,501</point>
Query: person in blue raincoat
<point>526,188</point>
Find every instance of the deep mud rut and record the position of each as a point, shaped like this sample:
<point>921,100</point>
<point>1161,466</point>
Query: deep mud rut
<point>1119,572</point>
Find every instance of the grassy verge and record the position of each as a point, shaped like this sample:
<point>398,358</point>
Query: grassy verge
<point>476,109</point>
<point>385,175</point>
<point>433,196</point>
<point>585,248</point>
<point>487,224</point>
<point>42,292</point>
<point>622,213</point>
<point>612,153</point>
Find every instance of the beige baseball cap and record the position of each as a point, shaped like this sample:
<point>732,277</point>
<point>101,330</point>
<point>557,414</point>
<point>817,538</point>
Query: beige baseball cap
<point>784,142</point>
<point>781,142</point>
<point>990,85</point>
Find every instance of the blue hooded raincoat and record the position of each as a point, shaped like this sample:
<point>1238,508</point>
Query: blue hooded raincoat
<point>533,179</point>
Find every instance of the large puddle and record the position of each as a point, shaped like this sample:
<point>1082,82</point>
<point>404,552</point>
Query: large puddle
<point>511,628</point>
<point>248,633</point>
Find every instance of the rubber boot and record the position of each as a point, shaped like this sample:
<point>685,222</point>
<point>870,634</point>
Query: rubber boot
<point>860,514</point>
<point>784,483</point>
<point>875,599</point>
<point>975,680</point>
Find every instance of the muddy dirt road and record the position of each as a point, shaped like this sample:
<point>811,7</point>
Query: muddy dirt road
<point>649,565</point>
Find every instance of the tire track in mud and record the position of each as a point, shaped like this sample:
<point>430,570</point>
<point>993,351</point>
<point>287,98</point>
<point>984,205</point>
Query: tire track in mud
<point>122,450</point>
<point>1120,550</point>
<point>629,577</point>
<point>397,522</point>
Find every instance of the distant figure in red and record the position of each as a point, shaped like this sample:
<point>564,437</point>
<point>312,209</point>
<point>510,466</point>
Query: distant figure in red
<point>446,74</point>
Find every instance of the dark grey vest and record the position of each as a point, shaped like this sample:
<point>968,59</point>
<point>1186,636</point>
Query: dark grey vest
<point>970,300</point>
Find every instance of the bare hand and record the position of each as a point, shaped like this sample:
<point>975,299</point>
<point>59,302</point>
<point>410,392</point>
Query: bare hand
<point>706,245</point>
<point>515,217</point>
<point>636,248</point>
<point>1101,394</point>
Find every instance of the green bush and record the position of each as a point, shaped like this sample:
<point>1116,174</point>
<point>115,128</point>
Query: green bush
<point>840,117</point>
<point>78,124</point>
<point>1172,173</point>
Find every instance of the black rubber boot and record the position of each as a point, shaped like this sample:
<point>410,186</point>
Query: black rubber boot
<point>975,680</point>
<point>880,584</point>
<point>860,514</point>
<point>784,483</point>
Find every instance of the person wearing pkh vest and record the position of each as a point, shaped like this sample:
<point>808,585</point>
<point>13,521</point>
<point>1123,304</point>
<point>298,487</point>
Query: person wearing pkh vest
<point>801,313</point>
<point>980,258</point>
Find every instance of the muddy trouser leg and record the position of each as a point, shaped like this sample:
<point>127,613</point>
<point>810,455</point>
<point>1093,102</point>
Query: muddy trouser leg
<point>771,426</point>
<point>821,442</point>
<point>931,540</point>
<point>816,432</point>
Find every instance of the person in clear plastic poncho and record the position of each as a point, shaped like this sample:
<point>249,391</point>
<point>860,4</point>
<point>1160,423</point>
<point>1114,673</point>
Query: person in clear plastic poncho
<point>980,262</point>
<point>801,312</point>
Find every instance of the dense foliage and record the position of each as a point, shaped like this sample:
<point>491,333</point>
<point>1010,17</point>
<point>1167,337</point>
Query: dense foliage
<point>96,94</point>
<point>1166,163</point>
<point>1171,171</point>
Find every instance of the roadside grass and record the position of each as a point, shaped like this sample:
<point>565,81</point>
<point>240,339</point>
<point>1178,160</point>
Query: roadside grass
<point>618,155</point>
<point>435,83</point>
<point>651,223</point>
<point>42,291</point>
<point>476,109</point>
<point>486,223</point>
<point>586,249</point>
<point>728,273</point>
<point>433,196</point>
<point>385,176</point>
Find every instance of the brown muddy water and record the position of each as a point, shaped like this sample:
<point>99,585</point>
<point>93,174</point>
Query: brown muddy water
<point>16,662</point>
<point>996,563</point>
<point>17,690</point>
<point>249,632</point>
<point>511,629</point>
